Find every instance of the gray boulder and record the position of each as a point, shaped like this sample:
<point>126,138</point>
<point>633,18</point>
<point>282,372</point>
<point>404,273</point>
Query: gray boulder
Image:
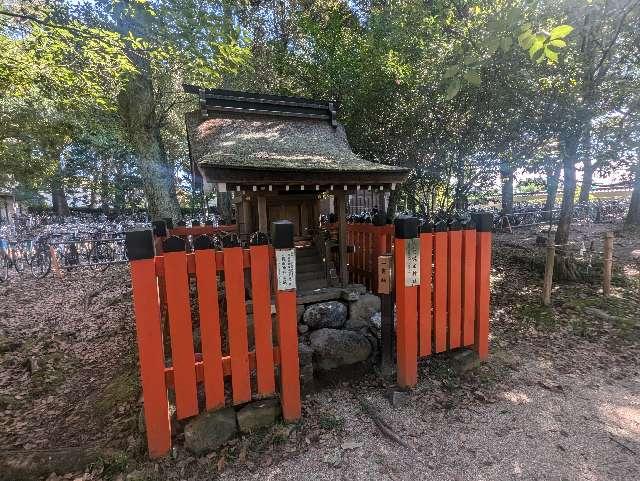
<point>364,308</point>
<point>305,354</point>
<point>259,414</point>
<point>210,430</point>
<point>333,348</point>
<point>330,314</point>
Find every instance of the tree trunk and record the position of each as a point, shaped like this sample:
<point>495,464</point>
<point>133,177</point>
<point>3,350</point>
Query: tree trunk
<point>633,214</point>
<point>104,185</point>
<point>568,194</point>
<point>553,179</point>
<point>139,112</point>
<point>506,174</point>
<point>587,182</point>
<point>58,197</point>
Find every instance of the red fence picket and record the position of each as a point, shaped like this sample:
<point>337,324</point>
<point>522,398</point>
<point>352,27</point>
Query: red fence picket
<point>450,307</point>
<point>186,368</point>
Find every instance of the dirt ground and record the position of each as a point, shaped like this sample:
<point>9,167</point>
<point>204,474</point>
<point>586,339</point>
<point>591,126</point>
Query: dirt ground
<point>559,398</point>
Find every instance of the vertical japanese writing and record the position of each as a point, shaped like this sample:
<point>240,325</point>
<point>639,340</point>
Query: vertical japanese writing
<point>412,262</point>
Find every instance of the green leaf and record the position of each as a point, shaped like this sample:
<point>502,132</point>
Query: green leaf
<point>453,89</point>
<point>473,77</point>
<point>561,31</point>
<point>558,43</point>
<point>492,45</point>
<point>451,71</point>
<point>506,44</point>
<point>469,59</point>
<point>525,40</point>
<point>551,55</point>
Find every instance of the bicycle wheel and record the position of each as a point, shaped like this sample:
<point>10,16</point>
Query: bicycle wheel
<point>4,268</point>
<point>40,264</point>
<point>19,257</point>
<point>101,252</point>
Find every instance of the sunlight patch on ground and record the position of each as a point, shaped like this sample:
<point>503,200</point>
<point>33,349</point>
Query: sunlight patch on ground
<point>516,397</point>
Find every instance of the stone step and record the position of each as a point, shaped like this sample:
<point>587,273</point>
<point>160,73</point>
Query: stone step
<point>305,276</point>
<point>310,267</point>
<point>306,252</point>
<point>310,285</point>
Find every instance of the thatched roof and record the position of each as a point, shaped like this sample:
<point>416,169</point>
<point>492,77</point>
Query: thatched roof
<point>247,141</point>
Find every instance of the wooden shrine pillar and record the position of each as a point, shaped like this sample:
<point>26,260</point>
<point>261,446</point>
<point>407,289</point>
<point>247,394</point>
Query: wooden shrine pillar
<point>245,206</point>
<point>263,224</point>
<point>342,236</point>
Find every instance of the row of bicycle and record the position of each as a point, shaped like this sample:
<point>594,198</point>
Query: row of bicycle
<point>50,252</point>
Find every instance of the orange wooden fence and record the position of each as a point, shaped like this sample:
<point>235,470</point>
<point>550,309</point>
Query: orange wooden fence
<point>225,340</point>
<point>448,306</point>
<point>369,242</point>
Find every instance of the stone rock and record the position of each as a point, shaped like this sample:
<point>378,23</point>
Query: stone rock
<point>258,414</point>
<point>356,324</point>
<point>305,354</point>
<point>303,328</point>
<point>396,397</point>
<point>364,308</point>
<point>333,348</point>
<point>210,430</point>
<point>330,314</point>
<point>463,361</point>
<point>353,292</point>
<point>299,311</point>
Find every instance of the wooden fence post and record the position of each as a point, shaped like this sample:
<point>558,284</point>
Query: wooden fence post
<point>282,240</point>
<point>548,273</point>
<point>407,281</point>
<point>146,307</point>
<point>608,263</point>
<point>484,224</point>
<point>384,284</point>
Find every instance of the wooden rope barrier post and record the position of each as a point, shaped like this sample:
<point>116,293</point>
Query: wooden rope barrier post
<point>608,263</point>
<point>407,281</point>
<point>385,291</point>
<point>285,252</point>
<point>548,273</point>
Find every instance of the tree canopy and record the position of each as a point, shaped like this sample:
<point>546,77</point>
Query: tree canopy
<point>462,92</point>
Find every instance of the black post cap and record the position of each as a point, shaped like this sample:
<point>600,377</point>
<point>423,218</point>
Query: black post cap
<point>468,224</point>
<point>202,242</point>
<point>379,219</point>
<point>441,226</point>
<point>282,234</point>
<point>483,221</point>
<point>259,239</point>
<point>426,226</point>
<point>454,224</point>
<point>174,244</point>
<point>230,240</point>
<point>139,245</point>
<point>333,218</point>
<point>168,222</point>
<point>159,228</point>
<point>406,227</point>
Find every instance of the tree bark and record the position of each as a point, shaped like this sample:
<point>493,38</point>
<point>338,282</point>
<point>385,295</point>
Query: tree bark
<point>568,194</point>
<point>142,122</point>
<point>506,174</point>
<point>633,214</point>
<point>553,179</point>
<point>58,197</point>
<point>587,182</point>
<point>225,210</point>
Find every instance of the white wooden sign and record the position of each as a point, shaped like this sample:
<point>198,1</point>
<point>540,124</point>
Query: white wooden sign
<point>286,269</point>
<point>412,262</point>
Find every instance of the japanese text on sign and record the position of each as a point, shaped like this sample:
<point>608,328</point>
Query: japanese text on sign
<point>412,262</point>
<point>286,269</point>
<point>384,275</point>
